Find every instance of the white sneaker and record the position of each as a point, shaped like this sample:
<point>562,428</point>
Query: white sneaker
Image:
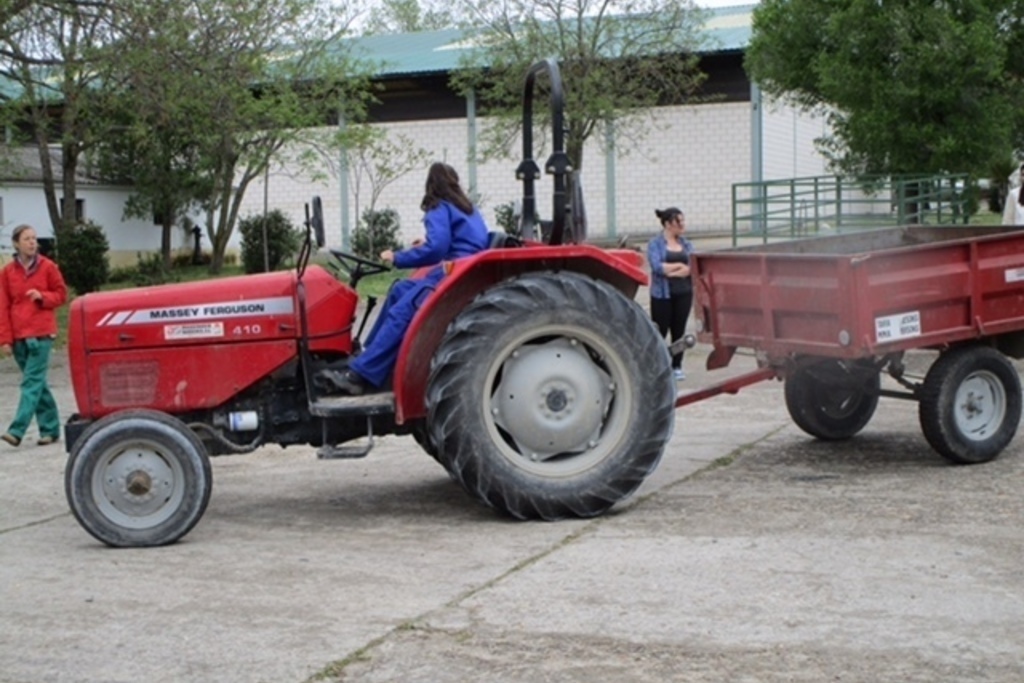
<point>679,374</point>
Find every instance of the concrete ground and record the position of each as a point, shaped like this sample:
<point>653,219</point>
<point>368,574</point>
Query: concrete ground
<point>754,553</point>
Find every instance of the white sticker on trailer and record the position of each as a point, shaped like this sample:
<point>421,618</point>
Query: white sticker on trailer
<point>194,331</point>
<point>900,326</point>
<point>1014,274</point>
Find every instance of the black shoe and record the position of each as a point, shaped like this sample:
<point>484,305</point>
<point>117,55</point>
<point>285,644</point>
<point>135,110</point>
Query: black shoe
<point>341,382</point>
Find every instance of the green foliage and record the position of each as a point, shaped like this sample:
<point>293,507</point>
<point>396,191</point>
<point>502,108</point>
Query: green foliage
<point>378,160</point>
<point>505,217</point>
<point>57,52</point>
<point>406,16</point>
<point>999,172</point>
<point>150,270</point>
<point>618,60</point>
<point>282,240</point>
<point>184,259</point>
<point>377,231</point>
<point>82,257</point>
<point>122,274</point>
<point>907,87</point>
<point>193,128</point>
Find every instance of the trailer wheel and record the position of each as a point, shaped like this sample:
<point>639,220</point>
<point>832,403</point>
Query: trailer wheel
<point>970,404</point>
<point>551,396</point>
<point>832,400</point>
<point>138,478</point>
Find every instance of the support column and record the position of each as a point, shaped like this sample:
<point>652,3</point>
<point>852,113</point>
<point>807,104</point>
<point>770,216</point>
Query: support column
<point>471,145</point>
<point>757,205</point>
<point>346,240</point>
<point>609,179</point>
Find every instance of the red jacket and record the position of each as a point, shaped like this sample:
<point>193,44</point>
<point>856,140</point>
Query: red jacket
<point>20,316</point>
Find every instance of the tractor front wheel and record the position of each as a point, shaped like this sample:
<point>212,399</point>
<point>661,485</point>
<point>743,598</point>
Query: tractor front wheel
<point>551,396</point>
<point>138,478</point>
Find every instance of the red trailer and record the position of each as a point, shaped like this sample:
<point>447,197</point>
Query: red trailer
<point>829,315</point>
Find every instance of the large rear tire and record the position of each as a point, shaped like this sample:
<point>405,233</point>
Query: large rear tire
<point>138,478</point>
<point>551,396</point>
<point>970,404</point>
<point>831,399</point>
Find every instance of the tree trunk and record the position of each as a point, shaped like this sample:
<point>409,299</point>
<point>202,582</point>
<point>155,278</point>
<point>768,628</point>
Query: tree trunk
<point>69,185</point>
<point>166,230</point>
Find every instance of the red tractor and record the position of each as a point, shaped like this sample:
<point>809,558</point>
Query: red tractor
<point>530,375</point>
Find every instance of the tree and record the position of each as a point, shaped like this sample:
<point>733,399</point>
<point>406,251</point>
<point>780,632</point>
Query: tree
<point>381,160</point>
<point>908,87</point>
<point>223,88</point>
<point>618,60</point>
<point>407,16</point>
<point>156,145</point>
<point>55,60</point>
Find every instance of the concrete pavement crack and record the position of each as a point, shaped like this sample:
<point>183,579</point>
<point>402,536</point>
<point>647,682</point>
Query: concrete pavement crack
<point>335,669</point>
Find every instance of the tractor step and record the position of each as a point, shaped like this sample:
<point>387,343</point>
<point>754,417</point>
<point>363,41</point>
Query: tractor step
<point>326,452</point>
<point>380,403</point>
<point>332,452</point>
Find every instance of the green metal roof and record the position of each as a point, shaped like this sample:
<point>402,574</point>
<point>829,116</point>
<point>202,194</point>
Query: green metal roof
<point>430,52</point>
<point>438,52</point>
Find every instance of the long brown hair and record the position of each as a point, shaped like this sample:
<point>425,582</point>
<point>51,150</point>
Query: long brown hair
<point>443,185</point>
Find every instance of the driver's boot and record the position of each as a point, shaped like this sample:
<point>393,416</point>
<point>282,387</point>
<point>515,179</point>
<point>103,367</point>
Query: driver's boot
<point>344,382</point>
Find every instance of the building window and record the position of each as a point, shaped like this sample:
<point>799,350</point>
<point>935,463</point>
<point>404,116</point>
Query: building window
<point>79,209</point>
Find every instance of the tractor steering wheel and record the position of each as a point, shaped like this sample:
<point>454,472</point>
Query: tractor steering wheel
<point>358,267</point>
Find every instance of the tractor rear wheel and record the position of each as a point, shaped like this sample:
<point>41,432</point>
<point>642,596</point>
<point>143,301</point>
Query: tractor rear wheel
<point>551,396</point>
<point>138,478</point>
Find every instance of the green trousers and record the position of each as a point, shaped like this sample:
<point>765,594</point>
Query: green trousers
<point>33,357</point>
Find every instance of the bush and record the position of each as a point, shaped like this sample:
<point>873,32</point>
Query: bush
<point>122,274</point>
<point>82,257</point>
<point>377,231</point>
<point>183,259</point>
<point>283,241</point>
<point>150,271</point>
<point>507,218</point>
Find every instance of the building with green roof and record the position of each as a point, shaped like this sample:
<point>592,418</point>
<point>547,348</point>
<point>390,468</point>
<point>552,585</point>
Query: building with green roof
<point>691,157</point>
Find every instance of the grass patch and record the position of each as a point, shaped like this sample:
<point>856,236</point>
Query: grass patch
<point>378,285</point>
<point>986,217</point>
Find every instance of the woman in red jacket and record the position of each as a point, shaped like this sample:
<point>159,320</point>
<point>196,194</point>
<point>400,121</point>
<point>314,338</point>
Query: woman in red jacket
<point>31,289</point>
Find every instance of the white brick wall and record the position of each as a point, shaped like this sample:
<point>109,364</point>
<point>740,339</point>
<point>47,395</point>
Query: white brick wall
<point>689,159</point>
<point>789,137</point>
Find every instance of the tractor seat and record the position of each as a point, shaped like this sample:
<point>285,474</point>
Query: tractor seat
<point>502,240</point>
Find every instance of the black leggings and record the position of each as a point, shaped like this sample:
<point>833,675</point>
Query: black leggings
<point>670,315</point>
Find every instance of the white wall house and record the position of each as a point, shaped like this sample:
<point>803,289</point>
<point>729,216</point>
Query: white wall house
<point>689,159</point>
<point>22,201</point>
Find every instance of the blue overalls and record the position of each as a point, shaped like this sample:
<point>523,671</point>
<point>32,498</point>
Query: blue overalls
<point>451,234</point>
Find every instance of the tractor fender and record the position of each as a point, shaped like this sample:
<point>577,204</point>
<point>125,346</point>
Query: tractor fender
<point>465,278</point>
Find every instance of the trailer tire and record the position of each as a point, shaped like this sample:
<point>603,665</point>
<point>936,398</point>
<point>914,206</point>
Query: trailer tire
<point>832,400</point>
<point>138,478</point>
<point>970,404</point>
<point>601,397</point>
